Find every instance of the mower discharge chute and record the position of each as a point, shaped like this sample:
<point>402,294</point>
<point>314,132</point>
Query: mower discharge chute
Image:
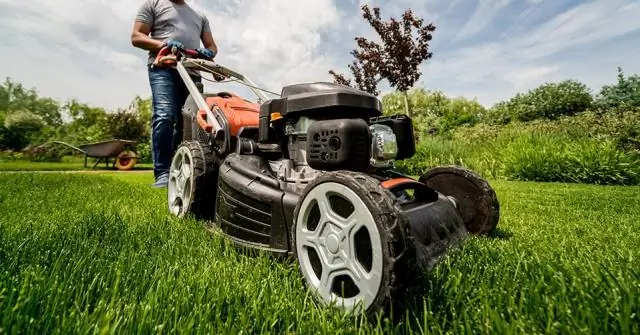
<point>310,174</point>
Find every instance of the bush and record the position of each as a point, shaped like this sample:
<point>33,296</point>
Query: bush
<point>548,101</point>
<point>144,153</point>
<point>554,158</point>
<point>44,153</point>
<point>19,129</point>
<point>587,148</point>
<point>624,94</point>
<point>619,125</point>
<point>125,125</point>
<point>432,152</point>
<point>434,111</point>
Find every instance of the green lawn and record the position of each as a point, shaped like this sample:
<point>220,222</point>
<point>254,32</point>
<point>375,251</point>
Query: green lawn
<point>89,253</point>
<point>76,165</point>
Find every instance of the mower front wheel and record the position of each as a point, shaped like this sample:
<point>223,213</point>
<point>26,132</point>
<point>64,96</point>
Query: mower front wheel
<point>192,181</point>
<point>351,243</point>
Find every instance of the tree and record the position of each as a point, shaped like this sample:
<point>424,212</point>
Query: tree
<point>15,97</point>
<point>125,125</point>
<point>397,58</point>
<point>624,93</point>
<point>19,129</point>
<point>438,112</point>
<point>364,71</point>
<point>550,101</point>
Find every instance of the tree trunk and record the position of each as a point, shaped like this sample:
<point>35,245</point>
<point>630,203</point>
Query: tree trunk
<point>406,103</point>
<point>407,111</point>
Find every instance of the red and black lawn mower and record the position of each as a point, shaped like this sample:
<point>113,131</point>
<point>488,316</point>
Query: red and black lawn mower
<point>311,174</point>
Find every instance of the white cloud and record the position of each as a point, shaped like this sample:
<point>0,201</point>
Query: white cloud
<point>275,42</point>
<point>81,48</point>
<point>493,71</point>
<point>486,12</point>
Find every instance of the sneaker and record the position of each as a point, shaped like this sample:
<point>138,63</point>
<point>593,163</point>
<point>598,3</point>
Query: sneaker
<point>162,181</point>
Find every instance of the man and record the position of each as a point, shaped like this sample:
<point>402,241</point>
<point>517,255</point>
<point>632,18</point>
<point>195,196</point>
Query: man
<point>172,23</point>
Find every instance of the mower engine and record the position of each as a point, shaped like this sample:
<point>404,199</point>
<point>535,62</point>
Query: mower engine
<point>341,144</point>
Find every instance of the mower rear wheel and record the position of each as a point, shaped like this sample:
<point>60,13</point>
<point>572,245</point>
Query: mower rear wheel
<point>351,243</point>
<point>192,181</point>
<point>474,197</point>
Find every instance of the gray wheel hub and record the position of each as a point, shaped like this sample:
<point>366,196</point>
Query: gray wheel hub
<point>180,188</point>
<point>335,242</point>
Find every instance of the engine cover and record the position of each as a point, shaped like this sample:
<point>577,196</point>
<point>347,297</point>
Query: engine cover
<point>342,144</point>
<point>323,100</point>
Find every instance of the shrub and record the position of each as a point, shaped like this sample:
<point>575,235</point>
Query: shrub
<point>44,153</point>
<point>548,101</point>
<point>144,153</point>
<point>433,111</point>
<point>432,152</point>
<point>555,158</point>
<point>625,93</point>
<point>542,150</point>
<point>125,125</point>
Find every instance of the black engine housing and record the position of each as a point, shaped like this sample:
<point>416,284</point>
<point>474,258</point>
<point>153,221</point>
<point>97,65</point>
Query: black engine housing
<point>343,144</point>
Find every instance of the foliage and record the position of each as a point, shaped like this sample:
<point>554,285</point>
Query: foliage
<point>585,148</point>
<point>142,109</point>
<point>539,157</point>
<point>548,101</point>
<point>433,112</point>
<point>364,74</point>
<point>19,129</point>
<point>45,153</point>
<point>624,93</point>
<point>125,125</point>
<point>86,122</point>
<point>15,97</point>
<point>30,123</point>
<point>397,58</point>
<point>546,134</point>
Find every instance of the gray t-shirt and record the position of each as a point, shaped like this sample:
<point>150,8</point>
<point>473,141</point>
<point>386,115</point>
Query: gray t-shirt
<point>169,20</point>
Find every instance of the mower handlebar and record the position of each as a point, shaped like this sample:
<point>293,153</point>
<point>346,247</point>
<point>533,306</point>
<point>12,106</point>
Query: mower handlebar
<point>172,57</point>
<point>174,52</point>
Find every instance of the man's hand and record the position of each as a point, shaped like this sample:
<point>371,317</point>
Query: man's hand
<point>174,44</point>
<point>205,53</point>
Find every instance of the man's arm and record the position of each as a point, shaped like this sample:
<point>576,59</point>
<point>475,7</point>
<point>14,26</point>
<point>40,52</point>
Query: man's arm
<point>142,27</point>
<point>207,37</point>
<point>140,38</point>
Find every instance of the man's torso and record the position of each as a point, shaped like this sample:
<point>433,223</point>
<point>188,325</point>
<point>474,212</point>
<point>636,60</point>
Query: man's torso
<point>178,22</point>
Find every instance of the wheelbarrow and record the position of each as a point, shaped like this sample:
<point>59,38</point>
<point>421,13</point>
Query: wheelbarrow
<point>122,150</point>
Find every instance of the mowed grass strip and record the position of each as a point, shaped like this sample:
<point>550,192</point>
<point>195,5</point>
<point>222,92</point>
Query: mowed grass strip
<point>74,165</point>
<point>99,253</point>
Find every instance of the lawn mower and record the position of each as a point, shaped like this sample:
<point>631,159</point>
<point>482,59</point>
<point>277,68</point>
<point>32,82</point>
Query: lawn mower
<point>310,174</point>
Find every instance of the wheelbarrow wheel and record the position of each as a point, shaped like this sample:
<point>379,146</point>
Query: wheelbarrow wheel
<point>351,243</point>
<point>192,181</point>
<point>126,160</point>
<point>476,200</point>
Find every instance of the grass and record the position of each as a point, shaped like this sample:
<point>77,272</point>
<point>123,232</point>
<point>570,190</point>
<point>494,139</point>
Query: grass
<point>94,253</point>
<point>76,165</point>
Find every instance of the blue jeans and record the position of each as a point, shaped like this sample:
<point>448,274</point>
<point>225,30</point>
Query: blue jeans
<point>168,94</point>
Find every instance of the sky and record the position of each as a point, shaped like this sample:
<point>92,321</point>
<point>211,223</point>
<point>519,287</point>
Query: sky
<point>482,49</point>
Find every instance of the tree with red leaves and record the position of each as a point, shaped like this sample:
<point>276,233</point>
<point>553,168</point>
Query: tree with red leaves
<point>397,59</point>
